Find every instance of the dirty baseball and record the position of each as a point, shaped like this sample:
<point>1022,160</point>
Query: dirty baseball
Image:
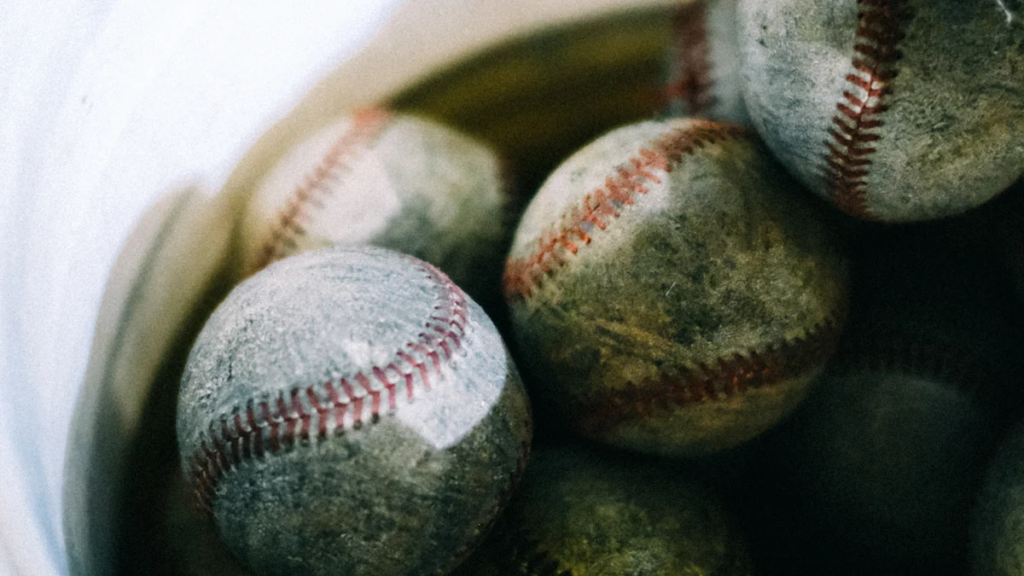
<point>386,179</point>
<point>670,292</point>
<point>893,110</point>
<point>351,411</point>
<point>582,511</point>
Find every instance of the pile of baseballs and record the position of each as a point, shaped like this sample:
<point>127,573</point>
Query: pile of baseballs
<point>768,332</point>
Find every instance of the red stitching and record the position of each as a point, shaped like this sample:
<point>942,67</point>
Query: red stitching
<point>693,84</point>
<point>279,421</point>
<point>556,243</point>
<point>881,25</point>
<point>718,380</point>
<point>366,125</point>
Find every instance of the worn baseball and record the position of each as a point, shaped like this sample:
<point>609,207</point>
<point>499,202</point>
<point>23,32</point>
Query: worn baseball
<point>997,527</point>
<point>894,110</point>
<point>351,411</point>
<point>704,63</point>
<point>880,466</point>
<point>387,179</point>
<point>885,458</point>
<point>670,292</point>
<point>584,513</point>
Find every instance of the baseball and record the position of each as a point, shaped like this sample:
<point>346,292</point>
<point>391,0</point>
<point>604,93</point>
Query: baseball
<point>704,63</point>
<point>669,292</point>
<point>883,460</point>
<point>386,179</point>
<point>881,464</point>
<point>893,110</point>
<point>998,518</point>
<point>351,411</point>
<point>585,512</point>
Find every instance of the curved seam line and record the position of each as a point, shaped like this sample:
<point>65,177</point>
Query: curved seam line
<point>854,131</point>
<point>275,424</point>
<point>367,125</point>
<point>597,208</point>
<point>722,378</point>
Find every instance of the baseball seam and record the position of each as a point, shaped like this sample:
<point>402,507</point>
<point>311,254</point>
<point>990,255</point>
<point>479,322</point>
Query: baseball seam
<point>694,85</point>
<point>316,186</point>
<point>881,25</point>
<point>258,427</point>
<point>719,379</point>
<point>596,210</point>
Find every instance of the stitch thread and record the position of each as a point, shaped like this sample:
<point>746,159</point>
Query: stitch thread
<point>881,25</point>
<point>598,208</point>
<point>717,380</point>
<point>277,423</point>
<point>317,185</point>
<point>693,85</point>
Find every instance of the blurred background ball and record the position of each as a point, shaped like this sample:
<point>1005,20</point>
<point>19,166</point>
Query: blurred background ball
<point>386,179</point>
<point>587,512</point>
